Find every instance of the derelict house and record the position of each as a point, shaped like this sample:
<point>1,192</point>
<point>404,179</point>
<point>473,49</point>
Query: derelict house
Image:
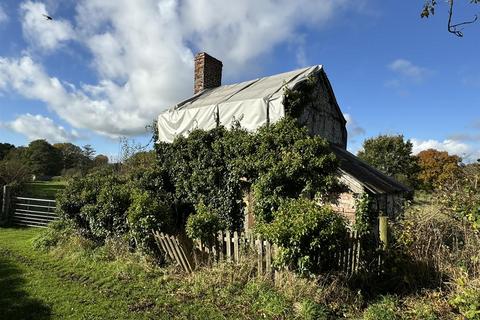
<point>261,101</point>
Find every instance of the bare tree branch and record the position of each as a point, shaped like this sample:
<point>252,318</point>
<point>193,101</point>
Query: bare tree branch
<point>452,28</point>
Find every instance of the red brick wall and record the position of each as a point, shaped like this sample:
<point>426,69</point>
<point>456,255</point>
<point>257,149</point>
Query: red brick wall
<point>208,72</point>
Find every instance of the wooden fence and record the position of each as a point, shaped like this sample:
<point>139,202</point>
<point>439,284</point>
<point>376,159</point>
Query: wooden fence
<point>33,212</point>
<point>234,247</point>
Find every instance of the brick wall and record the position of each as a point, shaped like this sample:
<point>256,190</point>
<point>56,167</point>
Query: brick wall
<point>208,72</point>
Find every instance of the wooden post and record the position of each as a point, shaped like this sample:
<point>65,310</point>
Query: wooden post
<point>268,257</point>
<point>260,255</point>
<point>228,241</point>
<point>383,230</point>
<point>236,251</point>
<point>5,204</point>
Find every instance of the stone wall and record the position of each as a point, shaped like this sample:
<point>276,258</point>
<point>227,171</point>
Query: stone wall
<point>322,116</point>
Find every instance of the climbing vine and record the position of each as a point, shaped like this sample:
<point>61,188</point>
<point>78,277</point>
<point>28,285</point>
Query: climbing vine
<point>363,214</point>
<point>296,99</point>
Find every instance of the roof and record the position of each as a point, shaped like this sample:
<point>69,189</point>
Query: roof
<point>253,103</point>
<point>369,177</point>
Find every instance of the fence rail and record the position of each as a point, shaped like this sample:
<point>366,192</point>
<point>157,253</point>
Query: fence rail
<point>235,247</point>
<point>33,212</point>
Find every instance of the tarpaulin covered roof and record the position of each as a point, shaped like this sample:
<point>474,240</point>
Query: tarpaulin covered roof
<point>252,103</point>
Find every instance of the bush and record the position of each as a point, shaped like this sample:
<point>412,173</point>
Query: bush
<point>204,224</point>
<point>385,309</point>
<point>57,232</point>
<point>97,205</point>
<point>145,213</point>
<point>307,233</point>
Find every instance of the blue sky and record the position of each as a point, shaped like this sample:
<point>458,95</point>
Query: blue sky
<point>103,69</point>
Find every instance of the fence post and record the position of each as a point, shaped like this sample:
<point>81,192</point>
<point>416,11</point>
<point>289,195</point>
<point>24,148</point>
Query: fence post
<point>5,204</point>
<point>383,229</point>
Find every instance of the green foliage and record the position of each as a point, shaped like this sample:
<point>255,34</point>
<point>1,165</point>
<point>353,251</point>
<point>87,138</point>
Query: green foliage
<point>467,302</point>
<point>289,164</point>
<point>205,165</point>
<point>385,309</point>
<point>297,99</point>
<point>96,204</point>
<point>461,196</point>
<point>56,232</point>
<point>304,230</point>
<point>266,301</point>
<point>310,310</point>
<point>364,219</point>
<point>393,156</point>
<point>204,224</point>
<point>147,212</point>
<point>43,159</point>
<point>5,148</point>
<point>280,161</point>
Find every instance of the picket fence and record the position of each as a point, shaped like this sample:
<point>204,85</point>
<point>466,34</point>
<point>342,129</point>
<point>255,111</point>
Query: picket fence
<point>235,247</point>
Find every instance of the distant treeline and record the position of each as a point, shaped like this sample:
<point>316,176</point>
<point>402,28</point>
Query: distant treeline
<point>41,159</point>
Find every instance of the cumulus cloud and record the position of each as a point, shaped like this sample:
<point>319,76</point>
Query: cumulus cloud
<point>409,70</point>
<point>142,52</point>
<point>3,15</point>
<point>42,33</point>
<point>40,127</point>
<point>466,151</point>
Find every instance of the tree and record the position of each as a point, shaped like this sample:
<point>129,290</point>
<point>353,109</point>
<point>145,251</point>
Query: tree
<point>429,9</point>
<point>437,167</point>
<point>43,159</point>
<point>100,160</point>
<point>72,155</point>
<point>393,156</point>
<point>12,171</point>
<point>5,148</point>
<point>88,151</point>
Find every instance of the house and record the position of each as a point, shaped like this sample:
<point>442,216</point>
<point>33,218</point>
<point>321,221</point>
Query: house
<point>261,101</point>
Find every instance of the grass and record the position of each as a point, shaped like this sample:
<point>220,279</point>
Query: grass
<point>75,283</point>
<point>43,189</point>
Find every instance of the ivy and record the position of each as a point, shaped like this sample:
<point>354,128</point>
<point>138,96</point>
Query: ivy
<point>295,100</point>
<point>363,214</point>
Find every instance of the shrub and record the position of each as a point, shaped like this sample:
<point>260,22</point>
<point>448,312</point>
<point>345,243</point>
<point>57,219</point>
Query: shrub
<point>307,233</point>
<point>310,310</point>
<point>96,204</point>
<point>58,230</point>
<point>466,299</point>
<point>204,224</point>
<point>146,212</point>
<point>385,309</point>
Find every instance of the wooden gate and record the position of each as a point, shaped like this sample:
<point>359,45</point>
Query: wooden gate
<point>33,212</point>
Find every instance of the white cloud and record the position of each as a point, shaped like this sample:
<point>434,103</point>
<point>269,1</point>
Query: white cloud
<point>142,52</point>
<point>42,33</point>
<point>409,70</point>
<point>3,15</point>
<point>461,149</point>
<point>40,127</point>
<point>353,128</point>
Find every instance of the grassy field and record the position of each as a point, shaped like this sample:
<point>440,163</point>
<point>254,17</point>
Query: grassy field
<point>92,285</point>
<point>43,189</point>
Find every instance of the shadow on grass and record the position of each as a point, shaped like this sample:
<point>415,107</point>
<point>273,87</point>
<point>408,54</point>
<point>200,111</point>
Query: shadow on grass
<point>15,303</point>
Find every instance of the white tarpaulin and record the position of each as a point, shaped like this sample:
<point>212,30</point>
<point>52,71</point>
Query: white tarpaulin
<point>252,103</point>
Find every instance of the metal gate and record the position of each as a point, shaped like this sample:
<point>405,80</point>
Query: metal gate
<point>33,212</point>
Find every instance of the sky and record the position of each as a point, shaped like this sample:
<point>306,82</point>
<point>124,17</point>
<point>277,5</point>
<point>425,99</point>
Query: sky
<point>104,69</point>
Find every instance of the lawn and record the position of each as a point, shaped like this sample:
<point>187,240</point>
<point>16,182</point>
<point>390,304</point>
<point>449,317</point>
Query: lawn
<point>43,189</point>
<point>90,285</point>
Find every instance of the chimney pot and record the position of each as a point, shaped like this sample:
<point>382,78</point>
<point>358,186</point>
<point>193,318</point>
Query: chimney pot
<point>208,72</point>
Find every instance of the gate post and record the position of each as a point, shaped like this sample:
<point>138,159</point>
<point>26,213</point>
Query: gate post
<point>5,205</point>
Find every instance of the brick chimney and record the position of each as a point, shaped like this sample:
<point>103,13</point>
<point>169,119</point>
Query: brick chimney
<point>208,72</point>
